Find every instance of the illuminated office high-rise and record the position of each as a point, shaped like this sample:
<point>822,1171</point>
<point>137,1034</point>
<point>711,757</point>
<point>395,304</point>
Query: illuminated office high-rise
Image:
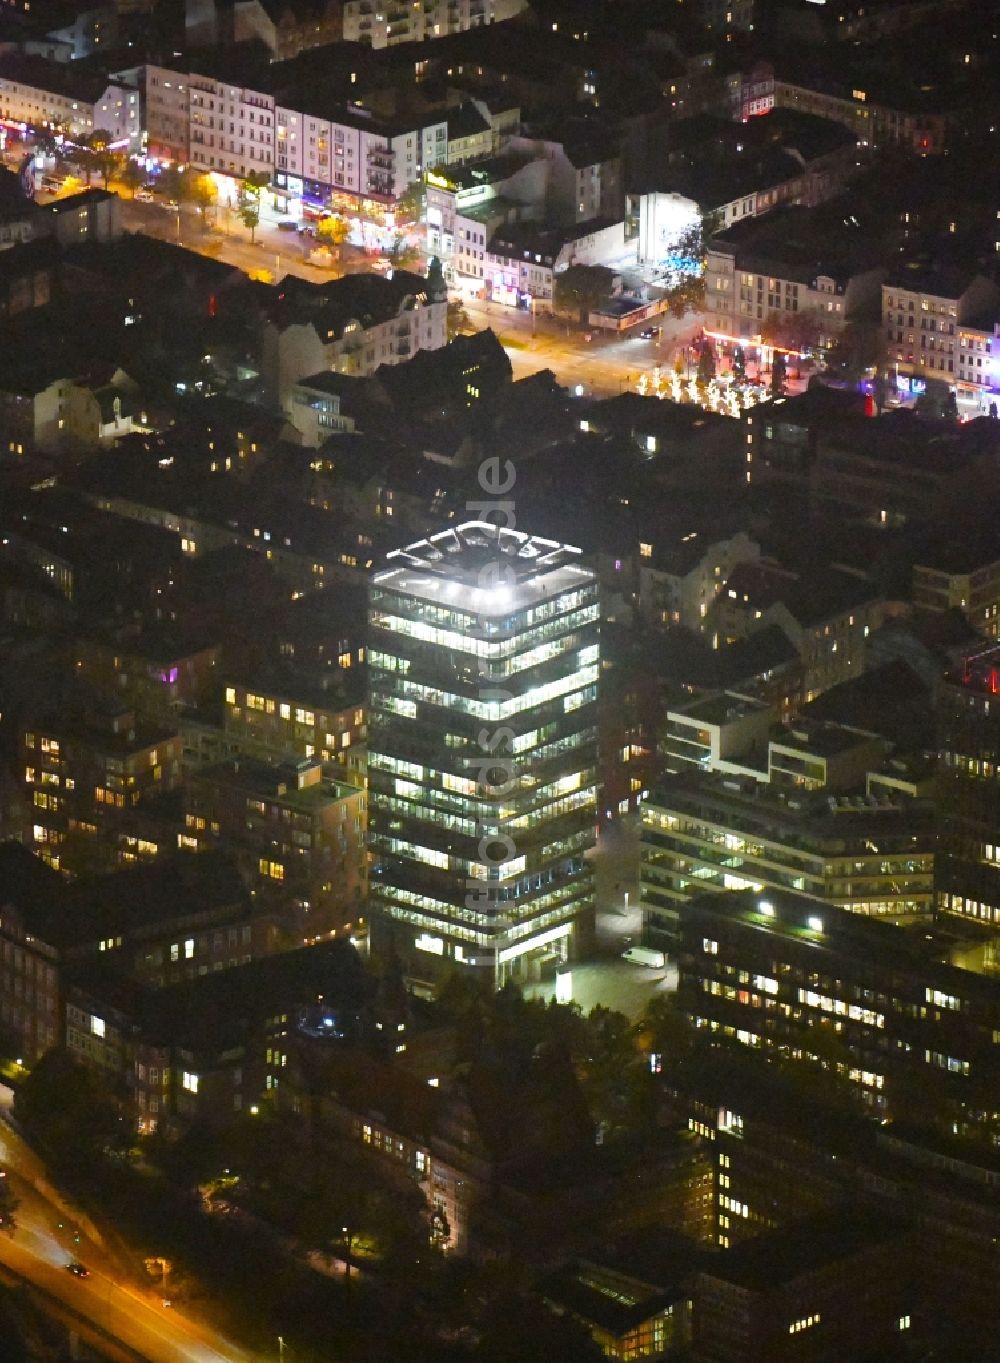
<point>484,657</point>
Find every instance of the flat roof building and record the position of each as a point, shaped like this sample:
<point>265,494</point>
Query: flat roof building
<point>865,1003</point>
<point>968,862</point>
<point>701,832</point>
<point>484,657</point>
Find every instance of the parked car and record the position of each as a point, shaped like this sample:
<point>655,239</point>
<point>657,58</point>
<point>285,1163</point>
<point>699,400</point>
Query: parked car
<point>78,1270</point>
<point>145,196</point>
<point>50,183</point>
<point>288,225</point>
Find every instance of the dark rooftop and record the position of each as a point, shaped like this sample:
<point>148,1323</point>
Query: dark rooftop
<point>366,298</point>
<point>165,891</point>
<point>800,243</point>
<point>56,77</point>
<point>27,883</point>
<point>222,1010</point>
<point>777,1257</point>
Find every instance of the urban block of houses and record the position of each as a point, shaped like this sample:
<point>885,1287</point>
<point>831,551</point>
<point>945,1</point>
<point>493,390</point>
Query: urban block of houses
<point>352,325</point>
<point>64,98</point>
<point>791,275</point>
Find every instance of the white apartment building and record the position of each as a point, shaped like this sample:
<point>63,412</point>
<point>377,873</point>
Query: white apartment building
<point>232,128</point>
<point>465,205</point>
<point>523,259</point>
<point>978,357</point>
<point>751,284</point>
<point>168,114</point>
<point>584,181</point>
<point>51,94</point>
<point>354,153</point>
<point>385,23</point>
<point>923,315</point>
<point>350,326</point>
<point>681,576</point>
<point>873,123</point>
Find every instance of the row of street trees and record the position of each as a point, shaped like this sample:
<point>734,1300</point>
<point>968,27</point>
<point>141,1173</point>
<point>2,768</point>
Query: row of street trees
<point>96,155</point>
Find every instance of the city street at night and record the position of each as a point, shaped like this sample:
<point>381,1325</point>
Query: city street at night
<point>43,1244</point>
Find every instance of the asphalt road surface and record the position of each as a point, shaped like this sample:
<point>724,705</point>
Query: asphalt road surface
<point>38,1251</point>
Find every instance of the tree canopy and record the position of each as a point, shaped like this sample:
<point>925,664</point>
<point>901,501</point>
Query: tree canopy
<point>68,1110</point>
<point>581,288</point>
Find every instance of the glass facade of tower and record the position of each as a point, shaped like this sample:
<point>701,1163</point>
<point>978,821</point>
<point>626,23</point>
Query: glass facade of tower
<point>967,864</point>
<point>484,657</point>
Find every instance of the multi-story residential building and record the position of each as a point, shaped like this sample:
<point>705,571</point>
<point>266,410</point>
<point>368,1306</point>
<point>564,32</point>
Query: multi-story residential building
<point>299,721</point>
<point>968,853</point>
<point>215,1045</point>
<point>735,734</point>
<point>232,128</point>
<point>475,1172</point>
<point>978,357</point>
<point>299,836</point>
<point>725,732</point>
<point>315,408</point>
<point>474,867</point>
<point>352,325</point>
<point>895,118</point>
<point>810,755</point>
<point>923,312</point>
<point>772,275</point>
<point>584,179</point>
<point>681,574</point>
<point>961,572</point>
<point>781,438</point>
<point>827,613</point>
<point>174,919</point>
<point>728,171</point>
<point>154,674</point>
<point>751,93</point>
<point>721,16</point>
<point>86,777</point>
<point>465,205</point>
<point>57,95</point>
<point>288,27</point>
<point>825,1289</point>
<point>892,469</point>
<point>852,21</point>
<point>702,832</point>
<point>30,994</point>
<point>875,1004</point>
<point>386,25</point>
<point>319,152</point>
<point>60,416</point>
<point>470,133</point>
<point>781,1158</point>
<point>523,260</point>
<point>168,114</point>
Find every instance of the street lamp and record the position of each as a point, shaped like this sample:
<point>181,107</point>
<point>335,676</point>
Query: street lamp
<point>281,1347</point>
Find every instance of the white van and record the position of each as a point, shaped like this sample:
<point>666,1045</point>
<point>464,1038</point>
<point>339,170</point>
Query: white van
<point>645,956</point>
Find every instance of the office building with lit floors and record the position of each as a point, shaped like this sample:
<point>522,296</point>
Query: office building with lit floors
<point>483,656</point>
<point>967,863</point>
<point>782,979</point>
